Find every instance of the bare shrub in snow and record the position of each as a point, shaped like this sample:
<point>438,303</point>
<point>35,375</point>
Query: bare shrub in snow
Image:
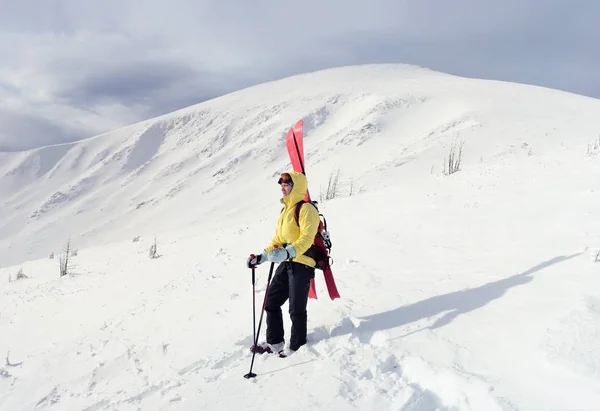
<point>594,147</point>
<point>21,275</point>
<point>335,187</point>
<point>136,239</point>
<point>452,162</point>
<point>332,190</point>
<point>153,252</point>
<point>64,261</point>
<point>332,185</point>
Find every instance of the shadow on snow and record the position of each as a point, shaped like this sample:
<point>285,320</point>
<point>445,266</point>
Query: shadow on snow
<point>451,305</point>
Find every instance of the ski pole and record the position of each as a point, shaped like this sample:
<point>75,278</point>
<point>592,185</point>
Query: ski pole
<point>250,373</point>
<point>253,302</point>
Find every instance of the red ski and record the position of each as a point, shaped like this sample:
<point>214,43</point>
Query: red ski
<point>295,147</point>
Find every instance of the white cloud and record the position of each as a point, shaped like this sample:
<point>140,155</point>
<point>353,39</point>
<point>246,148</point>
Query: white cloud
<point>74,69</point>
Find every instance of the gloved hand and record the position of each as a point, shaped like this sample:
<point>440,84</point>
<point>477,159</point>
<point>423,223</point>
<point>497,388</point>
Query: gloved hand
<point>278,255</point>
<point>255,260</point>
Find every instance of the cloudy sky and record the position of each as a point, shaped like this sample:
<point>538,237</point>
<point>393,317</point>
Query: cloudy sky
<point>71,69</point>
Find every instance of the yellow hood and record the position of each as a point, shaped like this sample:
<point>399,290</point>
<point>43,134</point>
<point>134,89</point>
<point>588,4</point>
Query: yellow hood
<point>299,189</point>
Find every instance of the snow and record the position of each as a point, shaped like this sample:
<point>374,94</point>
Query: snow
<point>477,290</point>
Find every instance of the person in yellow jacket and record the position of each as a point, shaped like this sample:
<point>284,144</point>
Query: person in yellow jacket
<point>289,247</point>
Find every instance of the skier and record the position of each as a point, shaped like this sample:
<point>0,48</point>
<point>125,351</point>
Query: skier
<point>289,247</point>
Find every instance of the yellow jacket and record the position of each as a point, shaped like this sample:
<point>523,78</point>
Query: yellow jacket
<point>287,232</point>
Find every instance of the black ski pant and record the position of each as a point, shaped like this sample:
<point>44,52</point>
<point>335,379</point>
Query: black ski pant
<point>291,281</point>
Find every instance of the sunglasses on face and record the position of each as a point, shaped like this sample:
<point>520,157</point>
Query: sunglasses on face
<point>285,179</point>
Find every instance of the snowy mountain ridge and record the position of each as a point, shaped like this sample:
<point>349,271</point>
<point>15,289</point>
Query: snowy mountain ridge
<point>398,113</point>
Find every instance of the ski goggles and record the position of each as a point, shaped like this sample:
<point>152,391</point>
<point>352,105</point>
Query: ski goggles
<point>285,179</point>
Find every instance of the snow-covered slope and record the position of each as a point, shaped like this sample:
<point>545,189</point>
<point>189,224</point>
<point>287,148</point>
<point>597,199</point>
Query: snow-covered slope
<point>204,164</point>
<point>470,291</point>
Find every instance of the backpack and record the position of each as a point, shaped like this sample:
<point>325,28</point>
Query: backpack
<point>321,247</point>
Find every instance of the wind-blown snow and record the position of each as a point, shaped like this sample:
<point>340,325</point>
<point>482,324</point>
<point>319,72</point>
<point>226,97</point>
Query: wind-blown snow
<point>472,291</point>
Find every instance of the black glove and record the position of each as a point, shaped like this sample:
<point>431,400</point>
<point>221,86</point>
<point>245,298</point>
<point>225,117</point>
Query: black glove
<point>255,260</point>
